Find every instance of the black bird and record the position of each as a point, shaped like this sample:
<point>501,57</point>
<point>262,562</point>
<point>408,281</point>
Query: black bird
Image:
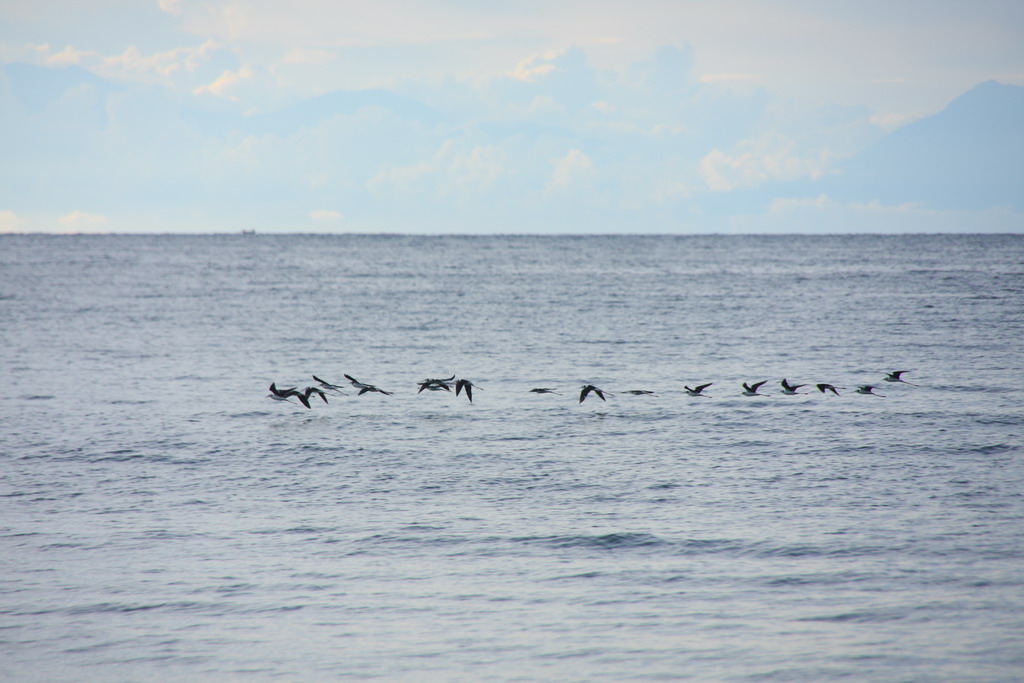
<point>587,388</point>
<point>544,390</point>
<point>313,390</point>
<point>285,394</point>
<point>468,386</point>
<point>327,385</point>
<point>751,389</point>
<point>894,376</point>
<point>696,390</point>
<point>434,385</point>
<point>639,392</point>
<point>363,387</point>
<point>867,389</point>
<point>823,387</point>
<point>790,389</point>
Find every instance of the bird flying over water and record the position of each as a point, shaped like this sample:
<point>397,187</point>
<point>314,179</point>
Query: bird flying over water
<point>468,386</point>
<point>434,385</point>
<point>823,387</point>
<point>751,389</point>
<point>363,387</point>
<point>895,376</point>
<point>285,394</point>
<point>867,389</point>
<point>587,388</point>
<point>696,390</point>
<point>313,390</point>
<point>790,389</point>
<point>544,390</point>
<point>639,392</point>
<point>327,385</point>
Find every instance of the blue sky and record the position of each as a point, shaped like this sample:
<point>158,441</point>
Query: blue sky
<point>572,116</point>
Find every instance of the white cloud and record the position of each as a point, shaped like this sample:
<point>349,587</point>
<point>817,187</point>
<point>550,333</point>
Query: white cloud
<point>225,84</point>
<point>570,170</point>
<point>68,56</point>
<point>10,222</point>
<point>772,156</point>
<point>825,214</point>
<point>79,221</point>
<point>171,6</point>
<point>890,122</point>
<point>532,68</point>
<point>325,215</point>
<point>409,178</point>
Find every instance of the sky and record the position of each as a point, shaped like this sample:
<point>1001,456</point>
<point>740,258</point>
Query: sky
<point>450,116</point>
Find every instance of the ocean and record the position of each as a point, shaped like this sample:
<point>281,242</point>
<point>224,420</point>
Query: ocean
<point>161,518</point>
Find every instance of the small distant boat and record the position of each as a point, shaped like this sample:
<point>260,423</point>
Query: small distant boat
<point>250,231</point>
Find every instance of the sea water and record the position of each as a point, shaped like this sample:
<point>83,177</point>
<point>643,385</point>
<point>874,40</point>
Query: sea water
<point>161,518</point>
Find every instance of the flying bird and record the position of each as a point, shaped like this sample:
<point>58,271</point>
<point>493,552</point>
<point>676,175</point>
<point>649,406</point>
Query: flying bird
<point>751,389</point>
<point>867,389</point>
<point>363,387</point>
<point>587,388</point>
<point>468,386</point>
<point>313,390</point>
<point>434,385</point>
<point>285,394</point>
<point>639,392</point>
<point>895,376</point>
<point>696,391</point>
<point>790,389</point>
<point>823,387</point>
<point>544,390</point>
<point>330,387</point>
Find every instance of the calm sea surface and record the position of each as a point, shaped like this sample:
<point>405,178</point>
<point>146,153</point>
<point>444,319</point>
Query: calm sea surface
<point>162,519</point>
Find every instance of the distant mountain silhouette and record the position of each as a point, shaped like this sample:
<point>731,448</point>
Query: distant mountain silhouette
<point>969,156</point>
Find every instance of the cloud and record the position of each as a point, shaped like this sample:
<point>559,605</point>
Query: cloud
<point>79,221</point>
<point>68,56</point>
<point>532,68</point>
<point>171,6</point>
<point>226,84</point>
<point>824,214</point>
<point>572,169</point>
<point>185,67</point>
<point>410,177</point>
<point>10,222</point>
<point>771,157</point>
<point>325,216</point>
